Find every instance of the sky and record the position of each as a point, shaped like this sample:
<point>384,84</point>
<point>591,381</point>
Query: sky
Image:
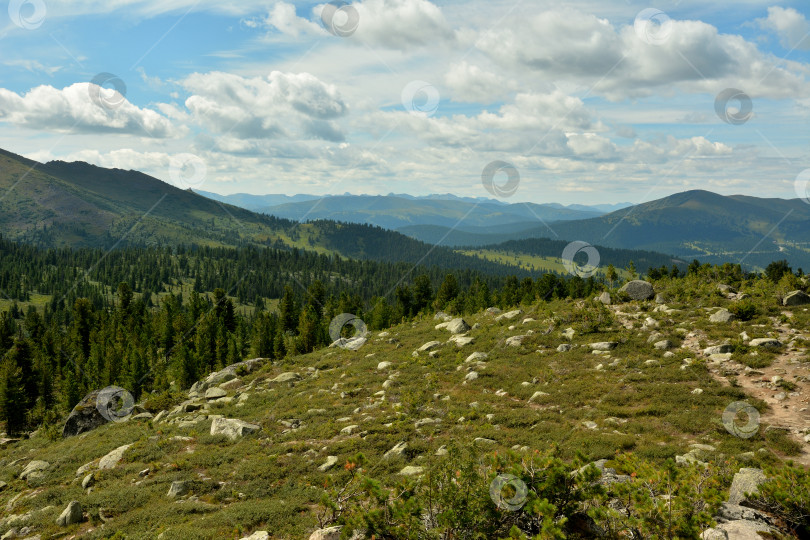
<point>580,101</point>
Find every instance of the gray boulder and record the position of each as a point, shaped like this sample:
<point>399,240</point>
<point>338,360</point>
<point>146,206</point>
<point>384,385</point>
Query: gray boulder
<point>330,533</point>
<point>34,470</point>
<point>258,535</point>
<point>747,480</point>
<point>796,298</point>
<point>70,515</point>
<point>458,326</point>
<point>604,345</point>
<point>178,489</point>
<point>604,298</point>
<point>718,349</point>
<point>766,342</point>
<point>722,316</point>
<point>113,458</point>
<point>638,290</point>
<point>85,416</point>
<point>232,428</point>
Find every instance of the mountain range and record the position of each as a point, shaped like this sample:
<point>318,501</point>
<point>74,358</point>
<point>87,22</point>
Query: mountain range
<point>77,204</point>
<point>693,224</point>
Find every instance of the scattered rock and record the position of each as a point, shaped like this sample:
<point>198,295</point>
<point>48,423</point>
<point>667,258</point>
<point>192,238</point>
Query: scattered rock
<point>85,416</point>
<point>396,450</point>
<point>113,458</point>
<point>348,430</point>
<point>70,515</point>
<point>604,298</point>
<point>796,298</point>
<point>483,441</point>
<point>457,326</point>
<point>411,470</point>
<point>638,290</point>
<point>34,470</point>
<point>568,333</point>
<point>330,533</point>
<point>471,376</point>
<point>563,347</point>
<point>509,315</point>
<point>747,480</point>
<point>215,393</point>
<point>604,345</point>
<point>384,365</point>
<point>590,424</point>
<point>515,341</point>
<point>178,489</point>
<point>289,376</point>
<point>722,316</point>
<point>429,345</point>
<point>442,316</point>
<point>718,349</point>
<point>765,342</point>
<point>232,428</point>
<point>258,535</point>
<point>331,461</point>
<point>663,345</point>
<point>536,395</point>
<point>476,356</point>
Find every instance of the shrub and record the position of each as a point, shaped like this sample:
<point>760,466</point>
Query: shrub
<point>745,310</point>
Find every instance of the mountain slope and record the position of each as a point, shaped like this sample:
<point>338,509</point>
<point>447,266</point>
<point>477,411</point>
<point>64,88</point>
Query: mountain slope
<point>80,205</point>
<point>176,475</point>
<point>704,225</point>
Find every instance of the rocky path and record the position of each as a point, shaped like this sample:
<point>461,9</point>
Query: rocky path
<point>789,408</point>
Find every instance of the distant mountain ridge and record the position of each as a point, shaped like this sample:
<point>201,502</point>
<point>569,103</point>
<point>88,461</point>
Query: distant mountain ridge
<point>396,211</point>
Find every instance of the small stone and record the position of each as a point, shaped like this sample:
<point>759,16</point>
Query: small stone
<point>397,450</point>
<point>88,481</point>
<point>471,376</point>
<point>411,470</point>
<point>590,424</point>
<point>563,347</point>
<point>383,365</point>
<point>348,430</point>
<point>536,395</point>
<point>697,391</point>
<point>331,461</point>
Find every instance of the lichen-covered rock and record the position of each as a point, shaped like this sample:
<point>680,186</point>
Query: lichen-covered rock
<point>85,416</point>
<point>747,480</point>
<point>796,298</point>
<point>232,428</point>
<point>70,515</point>
<point>638,290</point>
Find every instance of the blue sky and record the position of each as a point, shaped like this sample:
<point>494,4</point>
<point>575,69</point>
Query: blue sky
<point>591,102</point>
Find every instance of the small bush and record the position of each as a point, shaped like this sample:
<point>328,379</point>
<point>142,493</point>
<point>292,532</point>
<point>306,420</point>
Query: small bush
<point>745,310</point>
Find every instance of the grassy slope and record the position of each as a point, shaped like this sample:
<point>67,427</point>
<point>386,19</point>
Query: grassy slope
<point>270,480</point>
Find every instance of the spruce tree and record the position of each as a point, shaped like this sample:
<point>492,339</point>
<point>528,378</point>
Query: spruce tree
<point>12,396</point>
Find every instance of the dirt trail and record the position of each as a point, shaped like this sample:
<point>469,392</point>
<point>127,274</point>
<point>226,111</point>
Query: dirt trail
<point>788,409</point>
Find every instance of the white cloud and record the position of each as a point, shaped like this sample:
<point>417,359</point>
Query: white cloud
<point>72,109</point>
<point>402,24</point>
<point>472,84</point>
<point>391,24</point>
<point>791,26</point>
<point>297,106</point>
<point>569,45</point>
